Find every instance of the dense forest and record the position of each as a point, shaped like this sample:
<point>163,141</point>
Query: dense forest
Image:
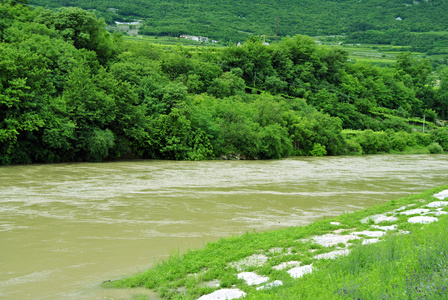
<point>422,25</point>
<point>71,91</point>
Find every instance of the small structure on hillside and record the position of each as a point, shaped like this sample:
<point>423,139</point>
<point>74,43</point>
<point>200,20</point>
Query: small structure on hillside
<point>197,38</point>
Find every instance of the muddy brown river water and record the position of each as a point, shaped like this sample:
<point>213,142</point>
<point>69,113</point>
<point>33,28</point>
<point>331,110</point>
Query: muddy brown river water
<point>65,228</point>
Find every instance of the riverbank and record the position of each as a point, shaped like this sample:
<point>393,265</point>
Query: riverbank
<point>288,261</point>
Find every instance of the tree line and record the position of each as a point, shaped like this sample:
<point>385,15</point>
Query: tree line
<point>71,91</point>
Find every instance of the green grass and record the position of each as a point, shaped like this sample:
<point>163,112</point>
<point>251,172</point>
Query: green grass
<point>397,267</point>
<point>383,55</point>
<point>406,266</point>
<point>171,41</point>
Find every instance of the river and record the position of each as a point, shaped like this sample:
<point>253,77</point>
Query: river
<point>65,228</point>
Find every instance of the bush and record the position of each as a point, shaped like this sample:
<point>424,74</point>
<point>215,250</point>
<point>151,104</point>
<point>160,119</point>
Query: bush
<point>353,147</point>
<point>98,143</point>
<point>423,139</point>
<point>440,135</point>
<point>397,124</point>
<point>318,150</point>
<point>369,141</point>
<point>435,148</point>
<point>402,139</point>
<point>431,115</point>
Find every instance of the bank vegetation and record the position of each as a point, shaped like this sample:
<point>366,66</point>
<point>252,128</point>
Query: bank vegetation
<point>72,91</point>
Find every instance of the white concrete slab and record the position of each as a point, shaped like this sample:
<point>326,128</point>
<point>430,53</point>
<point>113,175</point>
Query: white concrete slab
<point>333,254</point>
<point>436,213</point>
<point>415,211</point>
<point>285,265</point>
<point>300,271</point>
<point>224,294</point>
<point>252,278</point>
<point>270,285</point>
<point>422,219</point>
<point>368,233</point>
<point>386,228</point>
<point>403,207</point>
<point>442,195</point>
<point>437,204</point>
<point>329,239</point>
<point>370,241</point>
<point>379,218</point>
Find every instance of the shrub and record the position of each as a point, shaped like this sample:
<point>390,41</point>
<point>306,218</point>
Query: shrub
<point>318,150</point>
<point>440,135</point>
<point>423,139</point>
<point>368,141</point>
<point>98,144</point>
<point>397,124</point>
<point>402,139</point>
<point>430,114</point>
<point>353,147</point>
<point>435,148</point>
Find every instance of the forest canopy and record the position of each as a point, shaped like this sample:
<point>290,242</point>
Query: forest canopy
<point>72,91</point>
<point>422,25</point>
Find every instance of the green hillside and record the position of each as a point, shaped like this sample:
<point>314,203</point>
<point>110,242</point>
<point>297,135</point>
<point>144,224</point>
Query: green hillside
<point>71,91</point>
<point>421,24</point>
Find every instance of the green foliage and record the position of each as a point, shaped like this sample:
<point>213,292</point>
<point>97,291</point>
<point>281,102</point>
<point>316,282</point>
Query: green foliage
<point>412,265</point>
<point>227,85</point>
<point>430,114</point>
<point>81,28</point>
<point>441,95</point>
<point>370,142</point>
<point>435,148</point>
<point>70,91</point>
<point>416,41</point>
<point>172,137</point>
<point>318,150</point>
<point>422,25</point>
<point>98,144</point>
<point>440,135</point>
<point>60,137</point>
<point>275,142</point>
<point>353,147</point>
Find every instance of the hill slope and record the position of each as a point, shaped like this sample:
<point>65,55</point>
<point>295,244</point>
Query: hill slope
<point>236,20</point>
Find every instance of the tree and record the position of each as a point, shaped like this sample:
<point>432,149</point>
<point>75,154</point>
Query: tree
<point>441,96</point>
<point>24,94</point>
<point>440,135</point>
<point>172,137</point>
<point>82,28</point>
<point>318,150</point>
<point>227,85</point>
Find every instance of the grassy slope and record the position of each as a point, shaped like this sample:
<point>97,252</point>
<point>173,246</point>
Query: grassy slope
<point>376,54</point>
<point>399,267</point>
